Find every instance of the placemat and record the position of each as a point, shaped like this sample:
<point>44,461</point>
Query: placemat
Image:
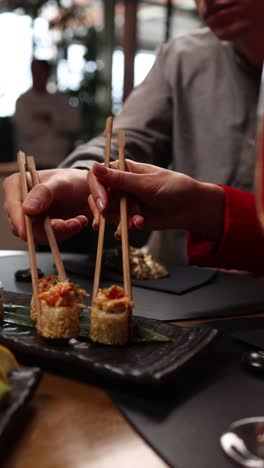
<point>248,330</point>
<point>225,295</point>
<point>253,337</point>
<point>180,280</point>
<point>184,423</point>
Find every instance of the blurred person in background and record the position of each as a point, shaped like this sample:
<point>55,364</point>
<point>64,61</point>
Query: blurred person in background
<point>46,124</point>
<point>195,113</point>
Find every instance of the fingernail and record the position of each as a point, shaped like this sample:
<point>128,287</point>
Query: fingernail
<point>138,224</point>
<point>33,204</point>
<point>100,204</point>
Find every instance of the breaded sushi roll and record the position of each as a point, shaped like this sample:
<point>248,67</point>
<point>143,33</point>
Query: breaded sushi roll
<point>111,317</point>
<point>60,310</point>
<point>44,284</point>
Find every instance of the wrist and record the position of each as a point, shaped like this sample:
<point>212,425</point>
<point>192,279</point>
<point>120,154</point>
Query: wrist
<point>209,216</point>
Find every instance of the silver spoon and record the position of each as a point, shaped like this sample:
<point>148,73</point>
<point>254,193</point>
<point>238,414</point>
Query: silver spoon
<point>244,442</point>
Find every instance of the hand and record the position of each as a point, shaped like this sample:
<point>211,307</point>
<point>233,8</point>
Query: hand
<point>158,199</point>
<point>62,194</point>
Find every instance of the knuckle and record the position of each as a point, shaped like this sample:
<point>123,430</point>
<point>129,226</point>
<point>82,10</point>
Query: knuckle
<point>8,180</point>
<point>42,190</point>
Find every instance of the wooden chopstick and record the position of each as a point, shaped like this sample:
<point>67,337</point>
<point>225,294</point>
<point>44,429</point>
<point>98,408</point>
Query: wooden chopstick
<point>21,159</point>
<point>102,222</point>
<point>123,220</point>
<point>47,226</point>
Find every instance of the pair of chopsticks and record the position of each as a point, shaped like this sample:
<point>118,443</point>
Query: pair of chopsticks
<point>24,163</point>
<point>123,217</point>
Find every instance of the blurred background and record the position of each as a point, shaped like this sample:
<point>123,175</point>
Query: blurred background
<point>99,50</point>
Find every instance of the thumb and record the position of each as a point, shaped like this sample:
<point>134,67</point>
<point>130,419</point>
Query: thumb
<point>38,200</point>
<point>120,180</point>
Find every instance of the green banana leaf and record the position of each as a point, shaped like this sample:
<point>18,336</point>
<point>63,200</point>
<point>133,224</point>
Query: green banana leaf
<point>20,315</point>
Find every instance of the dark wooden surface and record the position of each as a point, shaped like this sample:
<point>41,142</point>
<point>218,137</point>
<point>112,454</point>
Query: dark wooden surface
<point>77,425</point>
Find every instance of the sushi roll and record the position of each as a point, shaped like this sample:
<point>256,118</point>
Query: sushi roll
<point>111,316</point>
<point>44,285</point>
<point>60,310</point>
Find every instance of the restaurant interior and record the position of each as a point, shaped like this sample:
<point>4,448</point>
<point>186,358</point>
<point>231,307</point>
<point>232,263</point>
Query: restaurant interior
<point>174,378</point>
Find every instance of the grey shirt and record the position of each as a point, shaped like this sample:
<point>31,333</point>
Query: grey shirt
<point>194,113</point>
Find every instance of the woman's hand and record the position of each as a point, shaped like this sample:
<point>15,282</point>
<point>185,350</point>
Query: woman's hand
<point>62,194</point>
<point>157,199</point>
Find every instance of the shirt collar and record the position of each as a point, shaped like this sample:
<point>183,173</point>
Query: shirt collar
<point>251,70</point>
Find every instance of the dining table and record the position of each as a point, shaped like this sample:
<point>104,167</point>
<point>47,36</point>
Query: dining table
<point>75,423</point>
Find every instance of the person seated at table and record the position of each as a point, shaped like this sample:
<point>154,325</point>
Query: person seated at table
<point>194,113</point>
<point>224,230</point>
<point>46,124</point>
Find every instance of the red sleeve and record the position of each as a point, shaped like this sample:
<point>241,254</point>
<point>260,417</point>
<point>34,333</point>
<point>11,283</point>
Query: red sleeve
<point>242,246</point>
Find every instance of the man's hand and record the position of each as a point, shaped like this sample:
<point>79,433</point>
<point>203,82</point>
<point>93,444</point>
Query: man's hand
<point>62,194</point>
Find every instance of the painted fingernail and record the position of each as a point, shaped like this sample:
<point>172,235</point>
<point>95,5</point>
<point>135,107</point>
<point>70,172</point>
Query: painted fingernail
<point>100,204</point>
<point>139,224</point>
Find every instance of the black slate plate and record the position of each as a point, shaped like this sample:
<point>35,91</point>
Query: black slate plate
<point>24,382</point>
<point>139,363</point>
<point>181,279</point>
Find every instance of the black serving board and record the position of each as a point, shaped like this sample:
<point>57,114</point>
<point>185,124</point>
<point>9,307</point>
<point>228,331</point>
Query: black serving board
<point>24,382</point>
<point>180,280</point>
<point>139,363</point>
